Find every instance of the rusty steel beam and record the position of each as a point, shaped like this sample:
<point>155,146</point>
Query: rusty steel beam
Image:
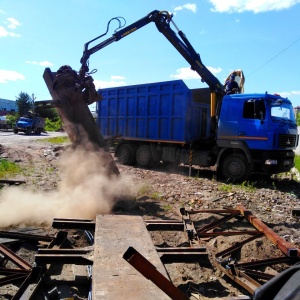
<point>148,270</point>
<point>213,211</point>
<point>287,248</point>
<point>25,236</point>
<point>14,258</point>
<point>267,262</point>
<point>218,222</point>
<point>237,246</point>
<point>245,282</point>
<point>183,257</point>
<point>63,251</point>
<point>74,94</point>
<point>161,225</point>
<point>43,259</point>
<point>73,224</point>
<point>227,233</point>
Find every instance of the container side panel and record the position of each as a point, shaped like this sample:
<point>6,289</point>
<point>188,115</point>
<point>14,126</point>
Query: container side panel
<point>164,132</point>
<point>152,105</point>
<point>141,127</point>
<point>141,106</point>
<point>152,128</point>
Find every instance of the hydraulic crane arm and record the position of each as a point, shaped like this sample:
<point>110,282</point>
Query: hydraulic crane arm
<point>162,21</point>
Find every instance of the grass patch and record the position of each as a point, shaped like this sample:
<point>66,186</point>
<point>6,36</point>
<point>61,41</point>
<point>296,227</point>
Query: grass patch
<point>57,140</point>
<point>297,162</point>
<point>8,168</point>
<point>225,187</point>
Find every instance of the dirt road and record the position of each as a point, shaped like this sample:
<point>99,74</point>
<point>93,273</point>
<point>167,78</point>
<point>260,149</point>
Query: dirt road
<point>158,194</point>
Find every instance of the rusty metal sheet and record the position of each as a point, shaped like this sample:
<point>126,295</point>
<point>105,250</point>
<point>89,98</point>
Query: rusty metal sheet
<point>113,277</point>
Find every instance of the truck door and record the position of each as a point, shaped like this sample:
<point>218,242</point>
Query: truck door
<point>252,127</point>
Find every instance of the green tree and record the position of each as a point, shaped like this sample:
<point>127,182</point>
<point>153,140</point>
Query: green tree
<point>24,103</point>
<point>298,118</point>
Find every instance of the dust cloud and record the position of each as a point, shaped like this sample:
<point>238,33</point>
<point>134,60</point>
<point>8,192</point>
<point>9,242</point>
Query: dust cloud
<point>84,192</point>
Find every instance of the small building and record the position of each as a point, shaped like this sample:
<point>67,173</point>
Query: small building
<point>7,106</point>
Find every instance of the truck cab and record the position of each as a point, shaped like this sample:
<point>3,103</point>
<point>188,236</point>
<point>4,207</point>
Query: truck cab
<point>29,125</point>
<point>262,127</point>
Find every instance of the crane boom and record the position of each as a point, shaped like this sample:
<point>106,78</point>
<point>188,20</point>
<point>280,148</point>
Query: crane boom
<point>162,20</point>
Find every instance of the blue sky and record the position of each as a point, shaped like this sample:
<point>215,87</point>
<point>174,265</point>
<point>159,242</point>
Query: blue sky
<point>261,37</point>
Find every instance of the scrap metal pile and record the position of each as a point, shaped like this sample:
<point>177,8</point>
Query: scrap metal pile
<point>199,226</point>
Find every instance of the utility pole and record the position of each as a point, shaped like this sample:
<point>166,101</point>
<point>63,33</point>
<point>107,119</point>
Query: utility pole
<point>33,98</point>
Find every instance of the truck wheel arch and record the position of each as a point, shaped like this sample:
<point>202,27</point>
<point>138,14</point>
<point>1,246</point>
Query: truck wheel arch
<point>125,153</point>
<point>229,155</point>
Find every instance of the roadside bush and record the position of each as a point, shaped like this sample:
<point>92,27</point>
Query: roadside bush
<point>55,125</point>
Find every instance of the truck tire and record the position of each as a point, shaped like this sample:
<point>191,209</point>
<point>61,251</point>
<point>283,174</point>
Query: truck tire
<point>235,168</point>
<point>16,131</point>
<point>125,154</point>
<point>38,131</point>
<point>28,131</point>
<point>144,157</point>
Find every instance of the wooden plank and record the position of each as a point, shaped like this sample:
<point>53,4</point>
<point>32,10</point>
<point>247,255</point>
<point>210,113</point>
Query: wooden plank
<point>113,277</point>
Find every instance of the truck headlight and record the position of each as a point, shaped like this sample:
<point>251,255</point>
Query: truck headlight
<point>271,162</point>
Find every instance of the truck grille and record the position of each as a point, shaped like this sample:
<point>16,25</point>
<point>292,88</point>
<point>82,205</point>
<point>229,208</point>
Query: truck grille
<point>287,140</point>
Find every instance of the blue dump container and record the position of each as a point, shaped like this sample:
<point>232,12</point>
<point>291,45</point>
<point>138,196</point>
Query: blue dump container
<point>162,111</point>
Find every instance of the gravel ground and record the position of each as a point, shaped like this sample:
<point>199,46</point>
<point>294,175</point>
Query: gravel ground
<point>58,182</point>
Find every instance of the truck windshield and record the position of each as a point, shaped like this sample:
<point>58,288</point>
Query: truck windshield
<point>281,110</point>
<point>25,119</point>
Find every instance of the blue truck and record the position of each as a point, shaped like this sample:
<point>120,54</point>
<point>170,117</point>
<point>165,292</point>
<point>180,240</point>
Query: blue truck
<point>240,134</point>
<point>168,122</point>
<point>29,124</point>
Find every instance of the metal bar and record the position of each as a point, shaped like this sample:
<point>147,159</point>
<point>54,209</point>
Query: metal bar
<point>159,226</point>
<point>258,274</point>
<point>33,277</point>
<point>25,236</point>
<point>149,271</point>
<point>227,233</point>
<point>181,257</point>
<point>246,284</point>
<point>14,258</point>
<point>214,211</point>
<point>237,246</point>
<point>4,271</point>
<point>12,278</point>
<point>10,181</point>
<point>63,251</point>
<point>287,248</point>
<point>73,224</point>
<point>43,259</point>
<point>217,223</point>
<point>181,249</point>
<point>267,262</point>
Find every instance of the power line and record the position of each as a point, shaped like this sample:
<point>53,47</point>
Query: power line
<point>274,57</point>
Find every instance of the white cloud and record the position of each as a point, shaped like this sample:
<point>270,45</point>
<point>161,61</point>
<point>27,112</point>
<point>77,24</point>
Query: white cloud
<point>7,75</point>
<point>115,77</point>
<point>101,84</point>
<point>187,73</point>
<point>44,63</point>
<point>5,33</point>
<point>12,23</point>
<point>256,6</point>
<point>289,94</point>
<point>188,6</point>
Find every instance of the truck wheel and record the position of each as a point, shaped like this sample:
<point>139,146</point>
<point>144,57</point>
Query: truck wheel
<point>16,131</point>
<point>38,131</point>
<point>28,131</point>
<point>144,156</point>
<point>235,168</point>
<point>125,154</point>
